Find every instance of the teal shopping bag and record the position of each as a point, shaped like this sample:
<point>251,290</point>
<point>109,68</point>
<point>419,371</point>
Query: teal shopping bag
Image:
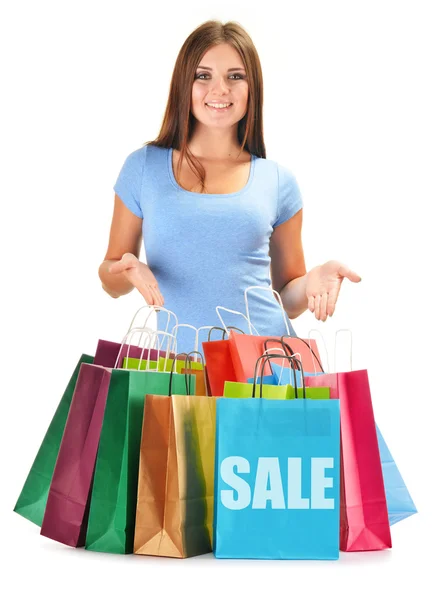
<point>400,505</point>
<point>277,474</point>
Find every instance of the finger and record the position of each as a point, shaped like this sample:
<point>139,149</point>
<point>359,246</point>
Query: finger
<point>344,271</point>
<point>317,306</point>
<point>330,307</point>
<point>148,298</point>
<point>154,291</point>
<point>156,295</point>
<point>323,307</point>
<point>333,297</point>
<point>311,303</point>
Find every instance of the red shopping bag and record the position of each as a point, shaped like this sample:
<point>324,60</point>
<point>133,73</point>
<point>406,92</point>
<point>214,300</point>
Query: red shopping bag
<point>364,521</point>
<point>245,350</point>
<point>219,365</point>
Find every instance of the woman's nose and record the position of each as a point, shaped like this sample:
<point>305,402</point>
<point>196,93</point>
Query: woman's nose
<point>220,84</point>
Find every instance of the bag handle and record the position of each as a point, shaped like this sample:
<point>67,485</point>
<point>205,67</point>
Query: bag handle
<point>174,348</point>
<point>326,351</point>
<point>210,328</point>
<point>285,349</point>
<point>204,368</point>
<point>268,289</point>
<point>235,312</point>
<point>229,327</point>
<point>150,333</point>
<point>223,330</point>
<point>266,357</point>
<point>156,308</point>
<point>351,347</point>
<point>270,365</point>
<point>129,335</point>
<point>177,326</point>
<point>213,329</point>
<point>172,372</point>
<point>308,346</point>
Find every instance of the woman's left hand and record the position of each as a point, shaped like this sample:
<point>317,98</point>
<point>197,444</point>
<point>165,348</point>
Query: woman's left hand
<point>322,287</point>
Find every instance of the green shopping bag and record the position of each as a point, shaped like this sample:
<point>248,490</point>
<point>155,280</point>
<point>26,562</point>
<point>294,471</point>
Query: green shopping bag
<point>111,523</point>
<point>233,389</point>
<point>132,363</point>
<point>31,503</point>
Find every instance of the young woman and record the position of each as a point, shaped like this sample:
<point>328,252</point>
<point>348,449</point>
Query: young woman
<point>215,214</point>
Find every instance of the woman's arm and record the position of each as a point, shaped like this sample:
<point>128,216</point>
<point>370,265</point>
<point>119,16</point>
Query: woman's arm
<point>125,237</point>
<point>287,265</point>
<point>317,290</point>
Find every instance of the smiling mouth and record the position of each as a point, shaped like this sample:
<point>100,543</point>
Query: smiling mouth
<point>226,108</point>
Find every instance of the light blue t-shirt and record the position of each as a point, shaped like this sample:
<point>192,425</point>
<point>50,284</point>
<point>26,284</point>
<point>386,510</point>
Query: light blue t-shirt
<point>206,249</point>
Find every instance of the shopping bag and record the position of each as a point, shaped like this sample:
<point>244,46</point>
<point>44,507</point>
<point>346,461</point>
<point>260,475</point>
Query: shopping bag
<point>65,517</point>
<point>31,502</point>
<point>399,502</point>
<point>108,352</point>
<point>364,516</point>
<point>283,375</point>
<point>218,362</point>
<point>246,349</point>
<point>112,354</point>
<point>174,515</point>
<point>163,364</point>
<point>277,474</point>
<point>111,520</point>
<point>202,385</point>
<point>400,505</point>
<point>234,389</point>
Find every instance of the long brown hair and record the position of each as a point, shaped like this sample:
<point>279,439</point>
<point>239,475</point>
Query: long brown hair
<point>179,123</point>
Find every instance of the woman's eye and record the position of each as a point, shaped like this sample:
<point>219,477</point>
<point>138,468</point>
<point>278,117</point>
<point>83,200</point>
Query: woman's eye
<point>207,74</point>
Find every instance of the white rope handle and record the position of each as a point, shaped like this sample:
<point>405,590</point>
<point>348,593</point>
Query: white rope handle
<point>351,346</point>
<point>129,335</point>
<point>268,289</point>
<point>176,327</point>
<point>153,307</point>
<point>235,312</point>
<point>151,333</point>
<point>325,347</point>
<point>173,349</point>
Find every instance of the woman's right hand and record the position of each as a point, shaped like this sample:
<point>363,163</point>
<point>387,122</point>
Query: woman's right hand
<point>140,276</point>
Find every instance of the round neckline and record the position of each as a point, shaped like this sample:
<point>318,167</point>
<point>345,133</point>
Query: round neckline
<point>189,193</point>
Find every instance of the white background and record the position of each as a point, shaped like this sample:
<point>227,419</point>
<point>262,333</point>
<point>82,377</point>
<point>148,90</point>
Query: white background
<point>352,105</point>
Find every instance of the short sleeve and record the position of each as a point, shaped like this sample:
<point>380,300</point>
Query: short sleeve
<point>128,183</point>
<point>289,195</point>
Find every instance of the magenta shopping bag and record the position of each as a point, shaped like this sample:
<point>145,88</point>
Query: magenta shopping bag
<point>67,506</point>
<point>107,353</point>
<point>364,515</point>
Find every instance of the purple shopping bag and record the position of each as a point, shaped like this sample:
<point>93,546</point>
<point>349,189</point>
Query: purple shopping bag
<point>65,517</point>
<point>107,353</point>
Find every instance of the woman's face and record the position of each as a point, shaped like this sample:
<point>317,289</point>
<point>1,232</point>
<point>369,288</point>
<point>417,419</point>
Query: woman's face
<point>221,78</point>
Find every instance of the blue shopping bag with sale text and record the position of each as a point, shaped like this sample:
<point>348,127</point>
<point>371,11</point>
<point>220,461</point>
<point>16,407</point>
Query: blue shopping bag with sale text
<point>277,478</point>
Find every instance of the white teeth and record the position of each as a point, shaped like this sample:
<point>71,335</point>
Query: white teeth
<point>219,105</point>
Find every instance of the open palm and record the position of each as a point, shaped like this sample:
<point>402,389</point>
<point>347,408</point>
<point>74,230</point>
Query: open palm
<point>323,284</point>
